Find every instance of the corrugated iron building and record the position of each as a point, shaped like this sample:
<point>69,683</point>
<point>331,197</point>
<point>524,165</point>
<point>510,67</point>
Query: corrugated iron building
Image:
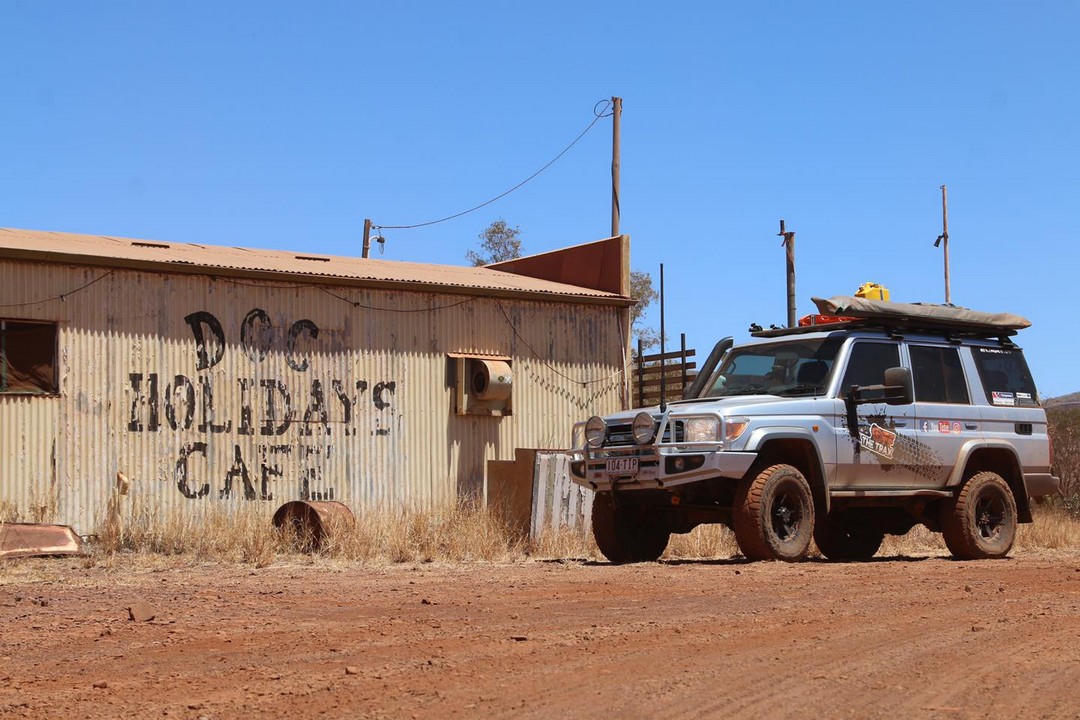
<point>227,375</point>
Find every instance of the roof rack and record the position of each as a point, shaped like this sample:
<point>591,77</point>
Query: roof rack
<point>895,325</point>
<point>949,320</point>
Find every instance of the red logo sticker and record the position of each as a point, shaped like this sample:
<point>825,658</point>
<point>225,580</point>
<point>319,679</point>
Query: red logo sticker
<point>944,426</point>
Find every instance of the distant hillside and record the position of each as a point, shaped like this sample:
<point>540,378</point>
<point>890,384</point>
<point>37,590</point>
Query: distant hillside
<point>1070,399</point>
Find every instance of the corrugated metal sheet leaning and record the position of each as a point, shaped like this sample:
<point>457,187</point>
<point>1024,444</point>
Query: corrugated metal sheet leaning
<point>237,390</point>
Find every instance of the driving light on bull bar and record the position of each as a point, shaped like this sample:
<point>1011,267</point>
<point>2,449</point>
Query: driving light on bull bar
<point>595,430</point>
<point>734,427</point>
<point>703,429</point>
<point>643,428</point>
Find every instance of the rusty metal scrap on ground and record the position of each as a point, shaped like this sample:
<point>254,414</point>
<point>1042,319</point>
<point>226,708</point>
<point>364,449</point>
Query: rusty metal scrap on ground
<point>38,540</point>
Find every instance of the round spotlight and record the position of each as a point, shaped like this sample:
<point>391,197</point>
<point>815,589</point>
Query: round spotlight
<point>595,430</point>
<point>643,428</point>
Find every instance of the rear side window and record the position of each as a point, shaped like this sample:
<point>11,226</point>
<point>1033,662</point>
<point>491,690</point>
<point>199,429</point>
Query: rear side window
<point>938,375</point>
<point>27,357</point>
<point>1005,376</point>
<point>868,362</point>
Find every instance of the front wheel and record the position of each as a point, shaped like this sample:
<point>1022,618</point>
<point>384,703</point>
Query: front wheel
<point>773,515</point>
<point>626,533</point>
<point>980,523</point>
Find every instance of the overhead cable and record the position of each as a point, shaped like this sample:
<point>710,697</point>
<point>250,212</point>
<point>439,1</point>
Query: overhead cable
<point>598,115</point>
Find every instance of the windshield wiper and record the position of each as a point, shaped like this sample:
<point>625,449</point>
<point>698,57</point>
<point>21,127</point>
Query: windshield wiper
<point>803,389</point>
<point>747,390</point>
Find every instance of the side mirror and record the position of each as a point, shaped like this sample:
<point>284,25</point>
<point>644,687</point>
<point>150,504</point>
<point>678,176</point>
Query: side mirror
<point>898,387</point>
<point>896,390</point>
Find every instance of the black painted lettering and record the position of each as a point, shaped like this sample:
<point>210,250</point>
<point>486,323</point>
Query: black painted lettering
<point>270,468</point>
<point>207,423</point>
<point>311,473</point>
<point>279,410</point>
<point>139,400</point>
<point>239,472</point>
<point>257,334</point>
<point>208,347</point>
<point>183,471</point>
<point>180,391</point>
<point>346,405</point>
<point>316,410</point>
<point>299,327</point>
<point>380,389</point>
<point>245,427</point>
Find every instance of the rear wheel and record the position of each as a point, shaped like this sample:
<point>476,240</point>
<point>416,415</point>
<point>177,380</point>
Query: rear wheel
<point>839,538</point>
<point>626,533</point>
<point>980,523</point>
<point>773,516</point>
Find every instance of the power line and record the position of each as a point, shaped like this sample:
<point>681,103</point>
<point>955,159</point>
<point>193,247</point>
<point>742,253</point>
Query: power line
<point>597,117</point>
<point>62,296</point>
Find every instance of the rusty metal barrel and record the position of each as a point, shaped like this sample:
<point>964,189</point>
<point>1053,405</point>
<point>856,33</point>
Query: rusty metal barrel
<point>313,520</point>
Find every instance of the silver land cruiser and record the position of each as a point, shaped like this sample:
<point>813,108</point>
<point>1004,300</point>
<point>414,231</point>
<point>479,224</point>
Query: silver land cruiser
<point>883,417</point>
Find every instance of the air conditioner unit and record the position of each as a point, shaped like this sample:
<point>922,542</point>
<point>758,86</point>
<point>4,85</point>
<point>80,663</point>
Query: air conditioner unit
<point>483,384</point>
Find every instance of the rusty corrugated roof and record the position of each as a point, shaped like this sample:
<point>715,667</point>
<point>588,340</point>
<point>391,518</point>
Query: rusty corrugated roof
<point>164,256</point>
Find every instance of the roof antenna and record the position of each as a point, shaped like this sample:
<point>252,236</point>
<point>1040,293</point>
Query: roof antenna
<point>663,374</point>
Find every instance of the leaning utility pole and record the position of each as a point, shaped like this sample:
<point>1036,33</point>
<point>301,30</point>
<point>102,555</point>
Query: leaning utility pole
<point>944,238</point>
<point>367,238</point>
<point>789,243</point>
<point>616,121</point>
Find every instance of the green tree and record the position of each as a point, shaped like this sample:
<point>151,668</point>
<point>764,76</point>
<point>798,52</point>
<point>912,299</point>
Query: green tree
<point>641,289</point>
<point>499,242</point>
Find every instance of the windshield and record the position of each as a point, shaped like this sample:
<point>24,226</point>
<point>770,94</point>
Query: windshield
<point>790,368</point>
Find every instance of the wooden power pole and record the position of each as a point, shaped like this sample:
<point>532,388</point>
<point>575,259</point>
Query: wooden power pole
<point>789,243</point>
<point>616,130</point>
<point>367,238</point>
<point>944,239</point>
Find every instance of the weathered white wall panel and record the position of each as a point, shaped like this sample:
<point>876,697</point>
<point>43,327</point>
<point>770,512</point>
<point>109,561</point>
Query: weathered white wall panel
<point>205,390</point>
<point>558,502</point>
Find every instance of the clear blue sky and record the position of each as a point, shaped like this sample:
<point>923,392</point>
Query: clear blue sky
<point>284,125</point>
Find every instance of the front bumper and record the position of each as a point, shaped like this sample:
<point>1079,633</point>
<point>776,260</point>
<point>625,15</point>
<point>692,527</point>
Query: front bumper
<point>656,466</point>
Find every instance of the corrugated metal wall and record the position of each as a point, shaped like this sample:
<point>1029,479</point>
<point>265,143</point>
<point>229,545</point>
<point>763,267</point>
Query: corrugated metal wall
<point>347,397</point>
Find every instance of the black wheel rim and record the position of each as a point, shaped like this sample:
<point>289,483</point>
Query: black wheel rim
<point>989,516</point>
<point>785,515</point>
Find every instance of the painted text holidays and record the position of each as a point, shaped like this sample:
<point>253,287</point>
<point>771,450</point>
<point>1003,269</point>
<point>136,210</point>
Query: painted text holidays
<point>266,408</point>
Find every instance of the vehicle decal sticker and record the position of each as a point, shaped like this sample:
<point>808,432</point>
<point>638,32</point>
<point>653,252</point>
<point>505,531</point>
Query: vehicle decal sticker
<point>1002,398</point>
<point>944,426</point>
<point>877,440</point>
<point>956,427</point>
<point>891,449</point>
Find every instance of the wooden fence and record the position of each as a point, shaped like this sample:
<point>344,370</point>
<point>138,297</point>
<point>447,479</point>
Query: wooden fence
<point>677,370</point>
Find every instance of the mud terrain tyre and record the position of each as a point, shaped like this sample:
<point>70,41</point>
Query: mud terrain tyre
<point>840,539</point>
<point>773,515</point>
<point>626,534</point>
<point>980,524</point>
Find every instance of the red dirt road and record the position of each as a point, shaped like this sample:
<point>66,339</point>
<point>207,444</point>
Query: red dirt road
<point>891,638</point>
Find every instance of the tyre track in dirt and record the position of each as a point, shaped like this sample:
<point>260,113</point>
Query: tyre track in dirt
<point>924,638</point>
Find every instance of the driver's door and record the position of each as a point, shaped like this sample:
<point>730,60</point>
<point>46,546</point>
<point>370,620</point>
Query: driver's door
<point>877,456</point>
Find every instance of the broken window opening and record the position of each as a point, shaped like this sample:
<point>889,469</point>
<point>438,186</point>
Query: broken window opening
<point>28,358</point>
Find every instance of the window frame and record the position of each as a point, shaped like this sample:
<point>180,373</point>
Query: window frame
<point>915,347</point>
<point>53,390</point>
<point>844,386</point>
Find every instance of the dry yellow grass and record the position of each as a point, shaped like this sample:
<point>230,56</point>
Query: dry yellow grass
<point>703,542</point>
<point>457,532</point>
